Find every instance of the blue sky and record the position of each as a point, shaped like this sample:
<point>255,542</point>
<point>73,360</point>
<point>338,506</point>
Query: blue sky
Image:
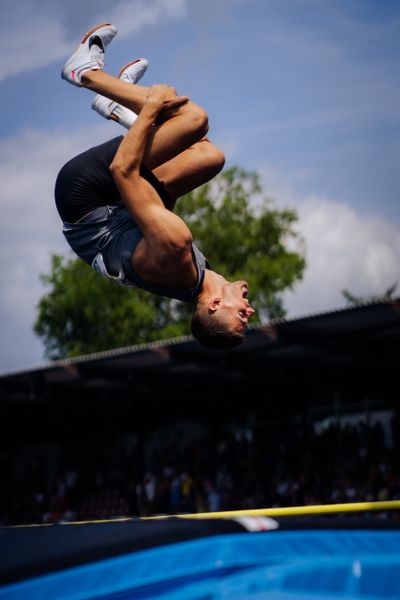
<point>306,92</point>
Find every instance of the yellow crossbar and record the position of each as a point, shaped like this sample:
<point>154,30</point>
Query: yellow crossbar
<point>288,511</point>
<point>291,511</point>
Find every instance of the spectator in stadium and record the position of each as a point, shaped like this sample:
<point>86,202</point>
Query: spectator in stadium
<point>76,492</point>
<point>116,200</point>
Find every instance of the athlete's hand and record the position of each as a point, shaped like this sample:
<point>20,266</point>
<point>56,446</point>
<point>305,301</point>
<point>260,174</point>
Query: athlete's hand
<point>164,98</point>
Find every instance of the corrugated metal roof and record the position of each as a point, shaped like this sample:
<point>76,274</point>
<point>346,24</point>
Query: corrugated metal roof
<point>346,318</point>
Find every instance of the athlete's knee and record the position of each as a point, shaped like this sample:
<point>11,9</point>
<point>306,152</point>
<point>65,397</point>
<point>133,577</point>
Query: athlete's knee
<point>214,157</point>
<point>218,158</point>
<point>197,119</point>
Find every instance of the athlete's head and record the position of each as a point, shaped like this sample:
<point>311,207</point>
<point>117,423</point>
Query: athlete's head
<point>220,322</point>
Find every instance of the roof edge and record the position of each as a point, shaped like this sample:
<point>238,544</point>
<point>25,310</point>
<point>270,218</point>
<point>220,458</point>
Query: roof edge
<point>158,344</point>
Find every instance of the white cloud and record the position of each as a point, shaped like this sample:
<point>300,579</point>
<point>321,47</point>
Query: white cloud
<point>33,41</point>
<point>132,16</point>
<point>345,250</point>
<point>37,35</point>
<point>31,230</point>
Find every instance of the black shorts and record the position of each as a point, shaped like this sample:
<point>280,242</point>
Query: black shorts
<point>85,182</point>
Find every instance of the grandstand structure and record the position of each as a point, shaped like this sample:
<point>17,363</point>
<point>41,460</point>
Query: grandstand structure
<point>307,367</point>
<point>299,371</point>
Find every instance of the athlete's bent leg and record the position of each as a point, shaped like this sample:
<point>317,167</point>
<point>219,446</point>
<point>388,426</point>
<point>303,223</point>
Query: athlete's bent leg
<point>190,169</point>
<point>174,131</point>
<point>180,129</point>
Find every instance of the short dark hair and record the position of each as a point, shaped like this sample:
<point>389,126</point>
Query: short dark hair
<point>212,332</point>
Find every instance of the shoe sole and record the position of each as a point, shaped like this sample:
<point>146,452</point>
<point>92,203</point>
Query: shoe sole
<point>89,33</point>
<point>133,62</point>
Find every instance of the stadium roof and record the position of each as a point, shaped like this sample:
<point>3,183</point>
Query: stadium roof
<point>345,360</point>
<point>362,336</point>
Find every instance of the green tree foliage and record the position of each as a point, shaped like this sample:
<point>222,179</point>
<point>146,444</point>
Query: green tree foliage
<point>85,313</point>
<point>238,230</point>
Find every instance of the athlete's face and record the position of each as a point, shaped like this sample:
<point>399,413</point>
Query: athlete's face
<point>234,305</point>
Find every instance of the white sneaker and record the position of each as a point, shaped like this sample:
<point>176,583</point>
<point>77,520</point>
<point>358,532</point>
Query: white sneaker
<point>89,54</point>
<point>131,73</point>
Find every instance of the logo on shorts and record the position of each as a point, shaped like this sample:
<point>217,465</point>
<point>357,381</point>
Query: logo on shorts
<point>99,266</point>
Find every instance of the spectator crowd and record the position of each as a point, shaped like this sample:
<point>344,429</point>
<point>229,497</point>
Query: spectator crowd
<point>269,467</point>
